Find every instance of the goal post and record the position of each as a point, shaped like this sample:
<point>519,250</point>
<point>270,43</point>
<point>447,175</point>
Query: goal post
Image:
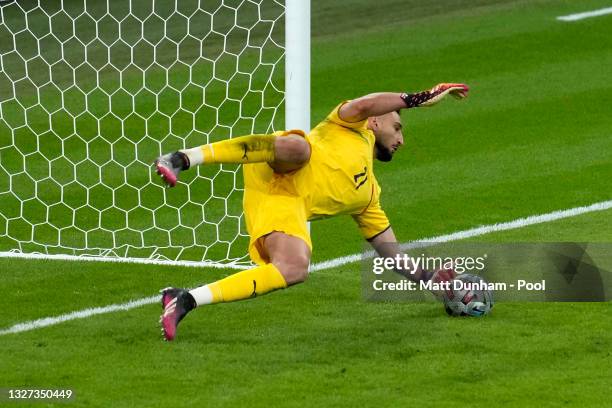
<point>92,91</point>
<point>297,64</point>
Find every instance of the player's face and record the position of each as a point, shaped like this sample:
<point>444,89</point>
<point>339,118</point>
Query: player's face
<point>388,131</point>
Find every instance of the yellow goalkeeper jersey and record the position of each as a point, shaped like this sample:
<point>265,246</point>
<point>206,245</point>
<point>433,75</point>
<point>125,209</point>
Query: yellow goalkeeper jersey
<point>338,179</point>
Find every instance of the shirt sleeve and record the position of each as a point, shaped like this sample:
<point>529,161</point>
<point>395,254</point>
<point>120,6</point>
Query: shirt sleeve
<point>334,117</point>
<point>373,220</point>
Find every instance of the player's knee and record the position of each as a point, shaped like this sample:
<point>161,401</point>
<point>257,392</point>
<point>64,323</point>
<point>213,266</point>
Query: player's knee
<point>293,149</point>
<point>294,269</point>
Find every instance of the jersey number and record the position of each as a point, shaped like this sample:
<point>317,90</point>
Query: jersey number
<point>361,178</point>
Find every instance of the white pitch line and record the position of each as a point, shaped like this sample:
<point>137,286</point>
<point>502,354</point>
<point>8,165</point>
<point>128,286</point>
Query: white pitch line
<point>586,14</point>
<point>144,261</point>
<point>79,314</point>
<point>459,235</point>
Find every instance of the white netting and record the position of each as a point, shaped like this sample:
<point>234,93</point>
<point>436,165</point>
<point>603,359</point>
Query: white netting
<point>92,91</point>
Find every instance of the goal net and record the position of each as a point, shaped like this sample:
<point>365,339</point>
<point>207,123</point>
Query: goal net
<point>91,92</point>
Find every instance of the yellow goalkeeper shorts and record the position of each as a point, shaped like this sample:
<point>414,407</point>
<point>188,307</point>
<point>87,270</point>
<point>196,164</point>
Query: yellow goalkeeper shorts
<point>271,203</point>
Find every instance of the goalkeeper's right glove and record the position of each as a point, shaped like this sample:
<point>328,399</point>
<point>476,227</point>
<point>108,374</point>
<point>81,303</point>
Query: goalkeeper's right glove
<point>443,275</point>
<point>434,95</point>
<point>170,165</point>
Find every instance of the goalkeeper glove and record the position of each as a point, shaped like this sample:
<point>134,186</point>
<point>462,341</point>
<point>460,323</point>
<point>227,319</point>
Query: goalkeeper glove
<point>434,95</point>
<point>170,165</point>
<point>442,275</point>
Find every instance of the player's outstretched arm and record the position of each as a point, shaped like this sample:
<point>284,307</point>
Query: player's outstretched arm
<point>386,246</point>
<point>378,104</point>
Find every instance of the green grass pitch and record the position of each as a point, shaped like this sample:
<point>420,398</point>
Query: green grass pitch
<point>533,137</point>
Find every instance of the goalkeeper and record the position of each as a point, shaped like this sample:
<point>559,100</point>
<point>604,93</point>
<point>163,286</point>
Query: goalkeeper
<point>291,178</point>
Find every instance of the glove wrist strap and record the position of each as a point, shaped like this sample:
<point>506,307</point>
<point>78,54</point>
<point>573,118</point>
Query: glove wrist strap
<point>414,100</point>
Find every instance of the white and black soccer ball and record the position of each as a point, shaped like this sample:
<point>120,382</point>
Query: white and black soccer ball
<point>468,302</point>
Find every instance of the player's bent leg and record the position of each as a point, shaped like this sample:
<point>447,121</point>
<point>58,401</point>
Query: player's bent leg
<point>243,149</point>
<point>289,265</point>
<point>291,255</point>
<point>285,153</point>
<point>242,285</point>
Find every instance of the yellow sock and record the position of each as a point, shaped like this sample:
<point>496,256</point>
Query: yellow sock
<point>243,149</point>
<point>241,285</point>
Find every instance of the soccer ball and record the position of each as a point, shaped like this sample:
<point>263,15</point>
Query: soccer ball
<point>468,302</point>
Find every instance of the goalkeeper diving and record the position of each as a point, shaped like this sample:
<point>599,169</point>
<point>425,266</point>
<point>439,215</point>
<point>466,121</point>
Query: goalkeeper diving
<point>290,178</point>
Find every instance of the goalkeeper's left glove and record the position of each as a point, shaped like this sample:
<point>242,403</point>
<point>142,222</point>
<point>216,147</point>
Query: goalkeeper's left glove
<point>434,95</point>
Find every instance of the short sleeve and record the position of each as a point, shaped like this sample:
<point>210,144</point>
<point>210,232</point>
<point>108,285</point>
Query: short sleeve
<point>373,220</point>
<point>334,117</point>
